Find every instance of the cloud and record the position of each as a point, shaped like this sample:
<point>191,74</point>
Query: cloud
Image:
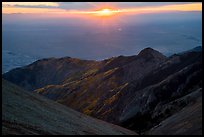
<point>30,4</point>
<point>145,4</point>
<point>90,7</point>
<point>75,5</point>
<point>87,5</point>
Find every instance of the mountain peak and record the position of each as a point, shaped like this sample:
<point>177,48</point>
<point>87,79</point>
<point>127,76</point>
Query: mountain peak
<point>146,50</point>
<point>149,52</point>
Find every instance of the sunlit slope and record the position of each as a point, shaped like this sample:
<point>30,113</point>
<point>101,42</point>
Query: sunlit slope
<point>29,113</point>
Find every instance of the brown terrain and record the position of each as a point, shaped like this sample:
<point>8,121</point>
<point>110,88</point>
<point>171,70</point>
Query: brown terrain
<point>138,92</point>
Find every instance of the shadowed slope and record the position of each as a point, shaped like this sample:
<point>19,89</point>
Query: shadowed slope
<point>188,121</point>
<point>29,113</point>
<point>48,71</point>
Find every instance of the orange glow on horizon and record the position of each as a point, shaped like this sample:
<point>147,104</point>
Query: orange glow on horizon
<point>178,7</point>
<point>105,11</point>
<point>13,10</point>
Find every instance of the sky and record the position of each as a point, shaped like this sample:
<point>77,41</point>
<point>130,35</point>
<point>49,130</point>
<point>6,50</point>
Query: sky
<point>92,7</point>
<point>96,30</point>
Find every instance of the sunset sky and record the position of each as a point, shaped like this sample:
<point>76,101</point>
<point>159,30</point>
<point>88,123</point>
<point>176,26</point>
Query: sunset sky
<point>97,30</point>
<point>97,8</point>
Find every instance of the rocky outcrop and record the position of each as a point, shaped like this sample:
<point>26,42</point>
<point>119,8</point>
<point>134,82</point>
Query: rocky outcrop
<point>157,102</point>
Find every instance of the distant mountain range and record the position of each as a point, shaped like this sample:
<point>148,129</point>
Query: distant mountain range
<point>196,49</point>
<point>147,93</point>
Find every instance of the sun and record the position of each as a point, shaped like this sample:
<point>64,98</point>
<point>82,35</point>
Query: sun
<point>106,12</point>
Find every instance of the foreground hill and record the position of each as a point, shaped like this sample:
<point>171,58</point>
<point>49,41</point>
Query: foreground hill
<point>29,113</point>
<point>137,92</point>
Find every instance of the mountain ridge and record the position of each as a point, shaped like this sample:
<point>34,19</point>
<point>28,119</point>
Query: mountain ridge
<point>104,89</point>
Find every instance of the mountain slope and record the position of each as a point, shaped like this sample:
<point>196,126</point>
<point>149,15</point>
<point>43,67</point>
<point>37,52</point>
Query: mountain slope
<point>100,90</point>
<point>136,92</point>
<point>47,71</point>
<point>29,113</point>
<point>188,121</point>
<point>107,98</point>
